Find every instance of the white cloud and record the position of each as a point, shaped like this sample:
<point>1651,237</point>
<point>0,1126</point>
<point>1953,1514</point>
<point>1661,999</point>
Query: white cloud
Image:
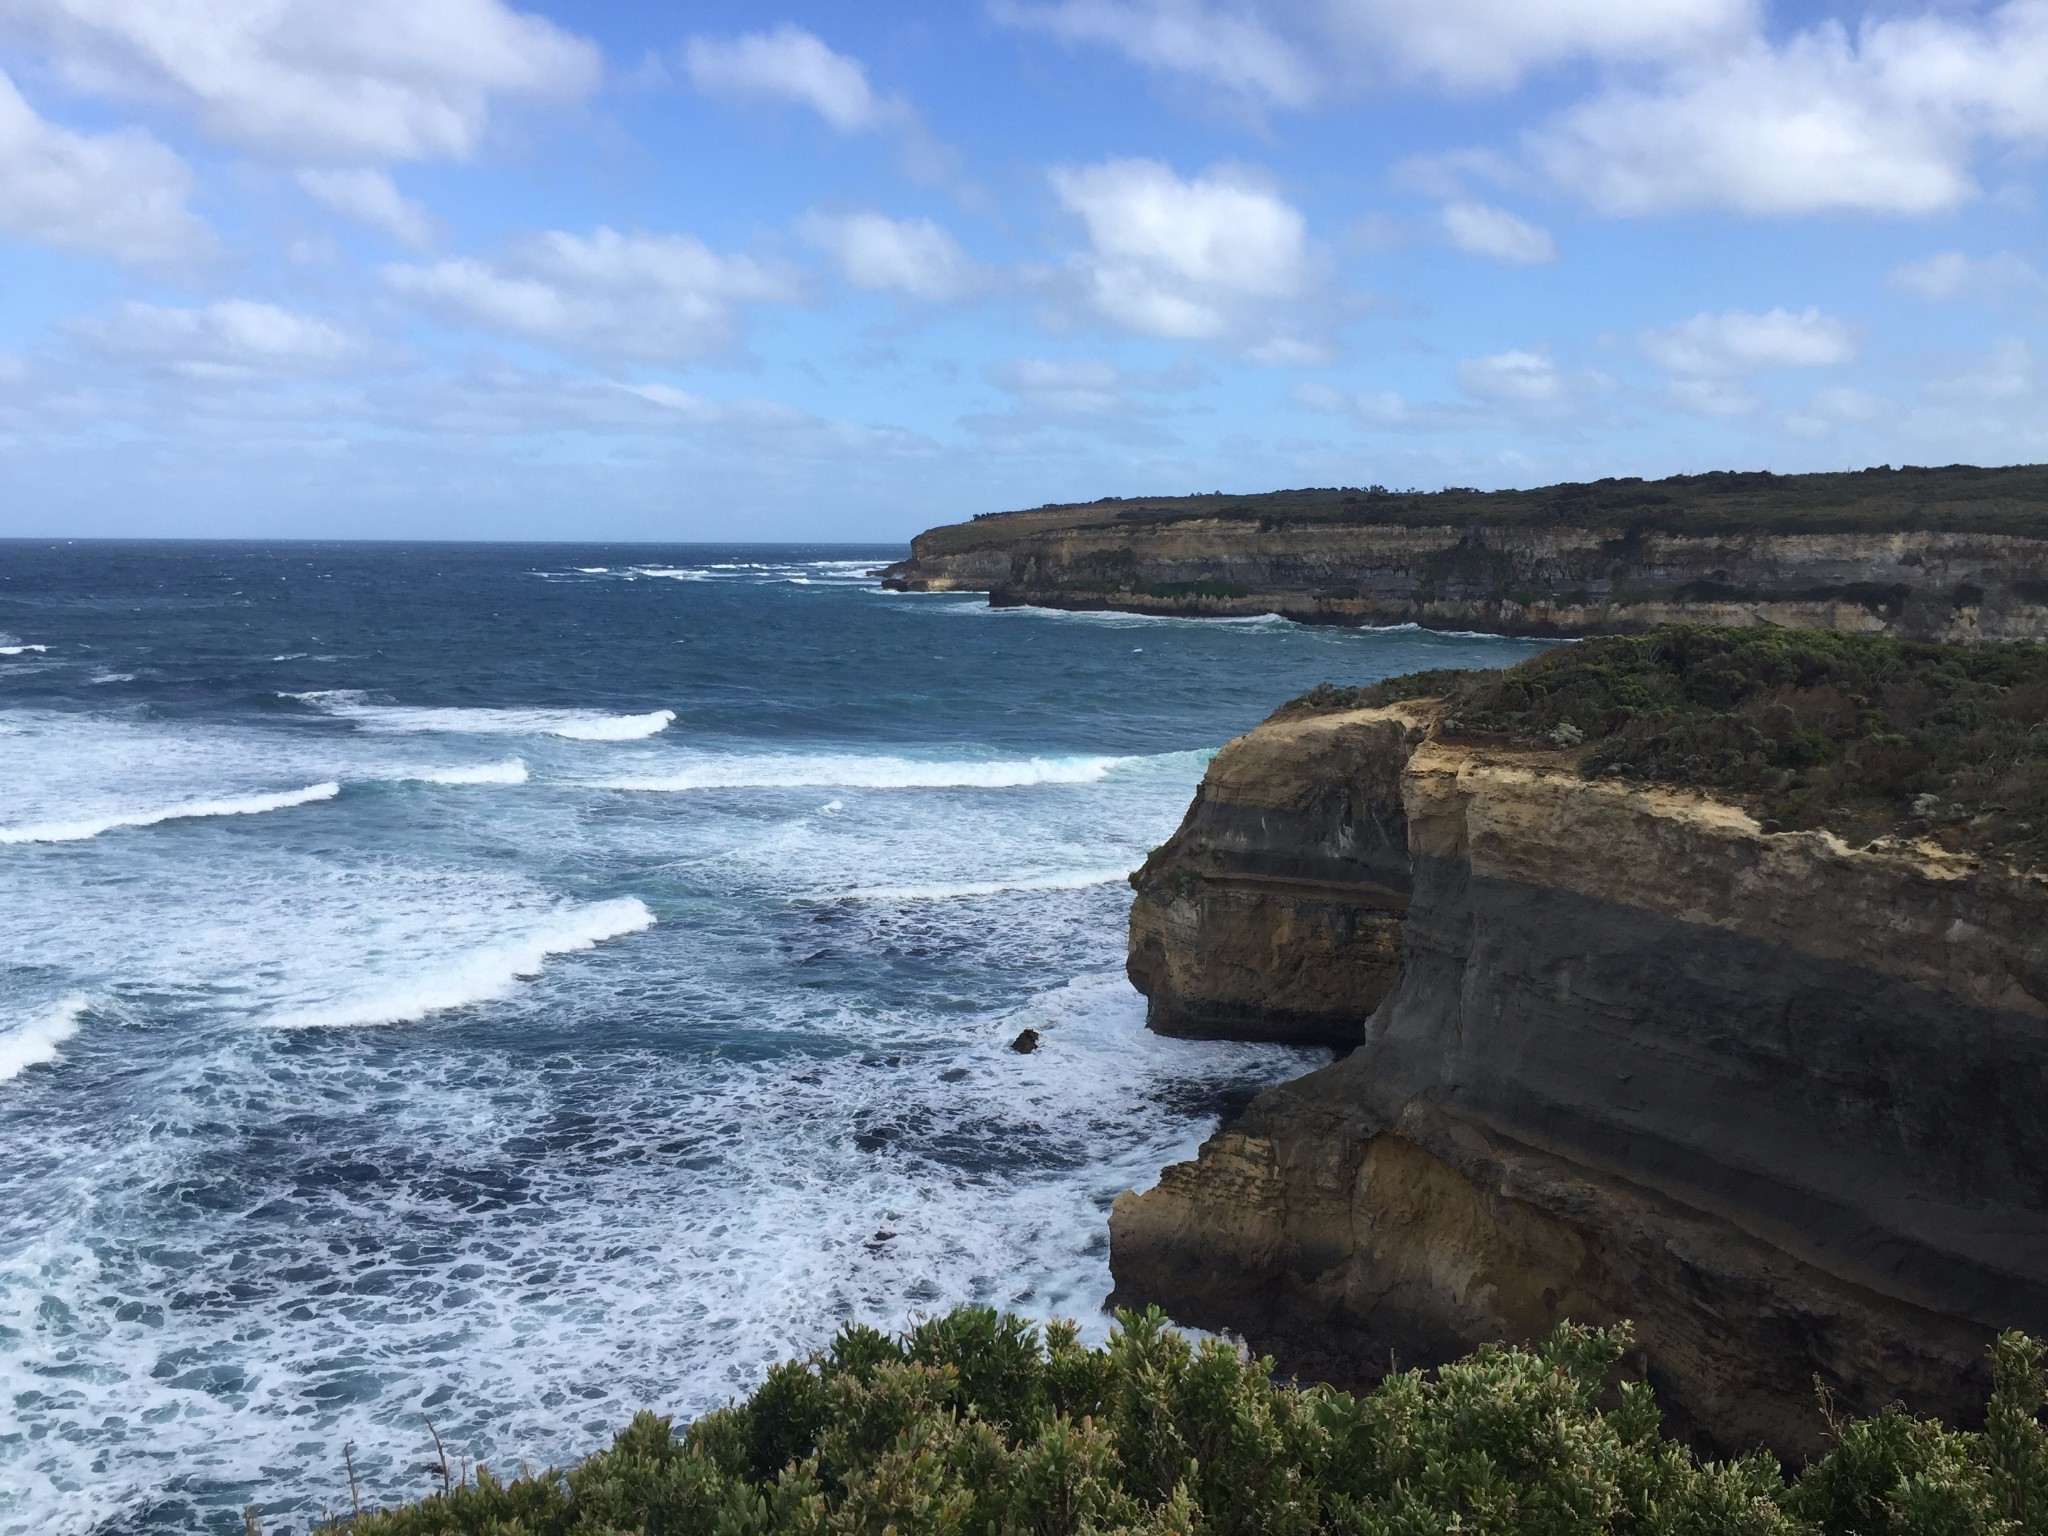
<point>1735,344</point>
<point>1713,397</point>
<point>1483,230</point>
<point>370,198</point>
<point>1212,258</point>
<point>370,80</point>
<point>1063,388</point>
<point>1516,390</point>
<point>1836,407</point>
<point>110,194</point>
<point>1512,378</point>
<point>1234,51</point>
<point>878,253</point>
<point>1372,408</point>
<point>791,65</point>
<point>1951,275</point>
<point>2007,372</point>
<point>1492,44</point>
<point>1082,395</point>
<point>233,340</point>
<point>1885,122</point>
<point>1281,53</point>
<point>650,296</point>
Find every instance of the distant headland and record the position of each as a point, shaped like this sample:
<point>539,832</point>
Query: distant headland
<point>1952,553</point>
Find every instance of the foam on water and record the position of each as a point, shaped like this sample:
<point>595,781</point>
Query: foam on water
<point>34,1040</point>
<point>593,1163</point>
<point>79,829</point>
<point>480,976</point>
<point>827,771</point>
<point>1065,880</point>
<point>1106,618</point>
<point>511,771</point>
<point>21,650</point>
<point>572,724</point>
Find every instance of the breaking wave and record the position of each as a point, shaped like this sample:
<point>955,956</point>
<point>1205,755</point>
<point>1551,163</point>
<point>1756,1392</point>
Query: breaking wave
<point>482,975</point>
<point>236,805</point>
<point>573,724</point>
<point>511,771</point>
<point>1076,880</point>
<point>35,1041</point>
<point>792,771</point>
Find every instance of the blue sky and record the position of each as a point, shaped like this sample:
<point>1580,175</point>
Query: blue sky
<point>476,269</point>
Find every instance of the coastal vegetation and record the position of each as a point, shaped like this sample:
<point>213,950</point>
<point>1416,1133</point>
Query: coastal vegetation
<point>1952,498</point>
<point>1863,735</point>
<point>977,1422</point>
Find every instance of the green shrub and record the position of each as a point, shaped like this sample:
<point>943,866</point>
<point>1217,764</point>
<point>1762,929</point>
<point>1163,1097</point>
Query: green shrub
<point>1808,728</point>
<point>976,1424</point>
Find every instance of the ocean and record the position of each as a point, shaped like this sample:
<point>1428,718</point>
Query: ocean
<point>511,986</point>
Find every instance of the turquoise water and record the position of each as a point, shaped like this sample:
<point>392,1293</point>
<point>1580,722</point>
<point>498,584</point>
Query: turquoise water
<point>518,985</point>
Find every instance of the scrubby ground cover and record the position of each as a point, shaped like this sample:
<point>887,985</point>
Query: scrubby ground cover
<point>1859,734</point>
<point>1955,497</point>
<point>978,1423</point>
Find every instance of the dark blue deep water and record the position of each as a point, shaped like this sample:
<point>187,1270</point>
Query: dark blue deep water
<point>518,985</point>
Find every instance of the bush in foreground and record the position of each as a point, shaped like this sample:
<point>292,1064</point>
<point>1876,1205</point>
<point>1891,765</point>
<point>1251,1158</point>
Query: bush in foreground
<point>974,1423</point>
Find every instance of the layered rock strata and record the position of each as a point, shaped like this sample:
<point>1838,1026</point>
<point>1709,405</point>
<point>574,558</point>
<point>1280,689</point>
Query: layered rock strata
<point>1775,1099</point>
<point>1527,580</point>
<point>1275,912</point>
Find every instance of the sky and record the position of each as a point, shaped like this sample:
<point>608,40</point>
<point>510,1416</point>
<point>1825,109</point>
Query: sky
<point>476,269</point>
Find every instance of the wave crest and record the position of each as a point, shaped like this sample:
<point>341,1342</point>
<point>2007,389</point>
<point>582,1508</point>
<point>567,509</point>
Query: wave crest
<point>482,975</point>
<point>511,771</point>
<point>574,724</point>
<point>234,805</point>
<point>35,1041</point>
<point>791,771</point>
<point>1075,880</point>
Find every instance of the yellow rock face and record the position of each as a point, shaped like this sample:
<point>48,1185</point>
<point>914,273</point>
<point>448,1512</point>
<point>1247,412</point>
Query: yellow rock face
<point>1774,1098</point>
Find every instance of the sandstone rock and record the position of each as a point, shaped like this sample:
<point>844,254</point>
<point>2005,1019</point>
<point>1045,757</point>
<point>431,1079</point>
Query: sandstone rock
<point>1773,1098</point>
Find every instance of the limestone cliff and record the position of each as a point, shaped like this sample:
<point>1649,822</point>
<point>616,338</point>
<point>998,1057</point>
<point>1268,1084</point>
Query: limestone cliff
<point>1275,912</point>
<point>1775,1098</point>
<point>1943,554</point>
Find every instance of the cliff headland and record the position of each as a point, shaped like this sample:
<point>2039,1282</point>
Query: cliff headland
<point>1956,553</point>
<point>1698,978</point>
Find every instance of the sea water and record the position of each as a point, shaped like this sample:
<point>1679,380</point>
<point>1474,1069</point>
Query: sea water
<point>512,986</point>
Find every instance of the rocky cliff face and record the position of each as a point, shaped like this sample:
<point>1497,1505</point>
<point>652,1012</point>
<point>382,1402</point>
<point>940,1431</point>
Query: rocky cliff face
<point>1774,1098</point>
<point>1275,912</point>
<point>1550,580</point>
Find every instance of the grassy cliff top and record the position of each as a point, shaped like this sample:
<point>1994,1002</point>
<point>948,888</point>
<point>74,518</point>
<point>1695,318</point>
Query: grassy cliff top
<point>978,1425</point>
<point>1957,498</point>
<point>1807,728</point>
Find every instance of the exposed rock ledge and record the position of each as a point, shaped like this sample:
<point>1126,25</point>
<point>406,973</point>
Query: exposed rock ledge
<point>1598,579</point>
<point>1778,1100</point>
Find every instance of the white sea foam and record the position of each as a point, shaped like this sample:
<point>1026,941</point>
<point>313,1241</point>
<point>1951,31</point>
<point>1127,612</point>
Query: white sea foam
<point>1108,618</point>
<point>18,650</point>
<point>481,975</point>
<point>794,771</point>
<point>573,724</point>
<point>1065,880</point>
<point>34,1041</point>
<point>234,805</point>
<point>511,771</point>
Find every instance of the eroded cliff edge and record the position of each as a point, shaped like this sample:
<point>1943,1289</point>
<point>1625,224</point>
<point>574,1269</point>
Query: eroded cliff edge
<point>1957,553</point>
<point>1275,912</point>
<point>1776,1098</point>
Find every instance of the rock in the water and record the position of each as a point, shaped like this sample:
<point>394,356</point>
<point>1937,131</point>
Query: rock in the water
<point>1025,1043</point>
